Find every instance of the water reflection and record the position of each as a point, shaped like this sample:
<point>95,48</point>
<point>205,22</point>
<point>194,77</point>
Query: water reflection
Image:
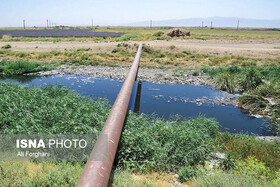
<point>138,97</point>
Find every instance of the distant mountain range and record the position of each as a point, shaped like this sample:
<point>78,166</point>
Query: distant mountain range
<point>217,22</point>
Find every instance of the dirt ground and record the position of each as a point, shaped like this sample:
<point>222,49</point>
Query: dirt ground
<point>249,48</point>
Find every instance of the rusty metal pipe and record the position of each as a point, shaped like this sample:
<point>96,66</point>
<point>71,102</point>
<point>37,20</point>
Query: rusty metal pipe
<point>98,168</point>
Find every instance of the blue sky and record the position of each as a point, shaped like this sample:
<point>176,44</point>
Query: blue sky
<point>117,12</point>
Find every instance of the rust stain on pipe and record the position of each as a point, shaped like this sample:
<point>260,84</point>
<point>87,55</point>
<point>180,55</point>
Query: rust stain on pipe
<point>98,168</point>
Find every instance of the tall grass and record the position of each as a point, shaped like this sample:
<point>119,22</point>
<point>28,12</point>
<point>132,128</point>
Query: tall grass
<point>242,146</point>
<point>146,143</point>
<point>254,74</point>
<point>251,80</point>
<point>159,144</point>
<point>259,83</point>
<point>48,110</point>
<point>21,67</point>
<point>252,163</point>
<point>226,82</point>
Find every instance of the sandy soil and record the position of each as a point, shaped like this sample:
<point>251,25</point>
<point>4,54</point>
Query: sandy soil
<point>250,48</point>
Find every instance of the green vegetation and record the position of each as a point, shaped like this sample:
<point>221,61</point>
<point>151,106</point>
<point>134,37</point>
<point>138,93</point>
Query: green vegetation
<point>21,67</point>
<point>229,179</point>
<point>7,46</point>
<point>248,77</point>
<point>252,79</point>
<point>240,147</point>
<point>154,57</point>
<point>77,57</point>
<point>28,174</point>
<point>226,82</point>
<point>260,83</point>
<point>252,163</point>
<point>147,144</point>
<point>187,173</point>
<point>126,179</point>
<point>70,112</point>
<point>158,33</point>
<point>123,54</point>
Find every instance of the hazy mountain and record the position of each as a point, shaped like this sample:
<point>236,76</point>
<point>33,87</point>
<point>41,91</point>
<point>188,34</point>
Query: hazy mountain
<point>217,22</point>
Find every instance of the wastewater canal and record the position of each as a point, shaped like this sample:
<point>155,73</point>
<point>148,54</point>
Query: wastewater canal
<point>163,100</point>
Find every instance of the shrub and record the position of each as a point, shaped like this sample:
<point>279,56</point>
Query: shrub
<point>7,46</point>
<point>56,53</point>
<point>21,54</point>
<point>172,47</point>
<point>159,54</point>
<point>226,82</point>
<point>7,37</point>
<point>243,146</point>
<point>251,79</point>
<point>43,55</point>
<point>158,33</point>
<point>128,37</point>
<point>157,144</point>
<point>121,51</point>
<point>147,49</point>
<point>187,52</point>
<point>249,63</point>
<point>180,55</point>
<point>253,167</point>
<point>53,110</point>
<point>187,173</point>
<point>154,53</point>
<point>195,73</point>
<point>234,69</point>
<point>277,178</point>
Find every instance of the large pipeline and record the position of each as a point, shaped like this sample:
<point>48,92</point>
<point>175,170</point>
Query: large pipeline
<point>98,167</point>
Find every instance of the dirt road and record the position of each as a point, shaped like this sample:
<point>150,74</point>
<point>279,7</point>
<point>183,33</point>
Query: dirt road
<point>254,48</point>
